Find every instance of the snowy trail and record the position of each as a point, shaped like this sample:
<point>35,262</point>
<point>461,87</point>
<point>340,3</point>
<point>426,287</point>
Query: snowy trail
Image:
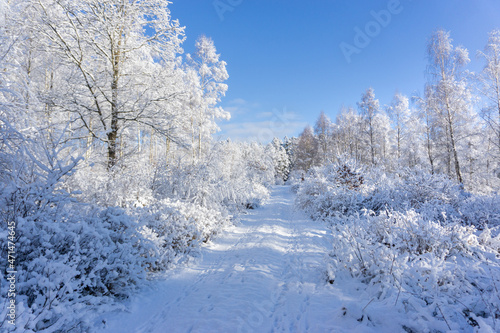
<point>264,275</point>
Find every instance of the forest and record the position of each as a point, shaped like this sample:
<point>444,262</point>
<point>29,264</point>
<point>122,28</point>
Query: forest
<point>110,173</point>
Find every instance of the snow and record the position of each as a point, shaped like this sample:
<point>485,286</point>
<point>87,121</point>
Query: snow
<point>265,274</point>
<point>398,225</point>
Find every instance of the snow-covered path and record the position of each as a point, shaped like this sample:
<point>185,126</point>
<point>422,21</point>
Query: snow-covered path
<point>264,275</point>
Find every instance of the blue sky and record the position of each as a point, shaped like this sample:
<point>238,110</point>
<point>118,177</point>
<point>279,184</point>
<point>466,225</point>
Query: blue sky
<point>286,64</point>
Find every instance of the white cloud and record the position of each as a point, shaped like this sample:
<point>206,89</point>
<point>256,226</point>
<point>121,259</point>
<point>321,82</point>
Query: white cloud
<point>232,109</point>
<point>264,115</point>
<point>260,131</point>
<point>250,123</point>
<point>237,101</point>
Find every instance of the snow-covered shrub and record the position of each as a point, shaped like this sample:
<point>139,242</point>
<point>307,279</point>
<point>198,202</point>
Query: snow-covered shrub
<point>481,211</point>
<point>126,185</point>
<point>232,177</point>
<point>441,276</point>
<point>412,238</point>
<point>67,266</point>
<point>333,189</point>
<point>326,192</point>
<point>176,230</point>
<point>69,257</point>
<point>295,179</point>
<point>438,198</point>
<point>434,195</point>
<point>400,233</point>
<point>420,187</point>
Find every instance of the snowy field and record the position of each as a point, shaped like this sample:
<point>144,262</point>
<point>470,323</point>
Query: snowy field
<point>267,274</point>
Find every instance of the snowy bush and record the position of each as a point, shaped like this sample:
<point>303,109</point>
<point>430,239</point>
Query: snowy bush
<point>68,266</point>
<point>295,179</point>
<point>420,187</point>
<point>125,185</point>
<point>482,211</point>
<point>333,189</point>
<point>442,277</point>
<point>417,241</point>
<point>176,230</point>
<point>233,177</point>
<point>327,192</point>
<point>68,256</point>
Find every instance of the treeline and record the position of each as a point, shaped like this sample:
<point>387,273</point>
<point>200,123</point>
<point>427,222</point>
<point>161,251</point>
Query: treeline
<point>453,129</point>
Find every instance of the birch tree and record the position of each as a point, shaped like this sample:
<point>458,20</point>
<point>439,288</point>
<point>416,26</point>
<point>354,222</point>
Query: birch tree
<point>322,130</point>
<point>369,108</point>
<point>306,152</point>
<point>209,91</point>
<point>347,133</point>
<point>490,87</point>
<point>450,92</point>
<point>398,112</point>
<point>123,61</point>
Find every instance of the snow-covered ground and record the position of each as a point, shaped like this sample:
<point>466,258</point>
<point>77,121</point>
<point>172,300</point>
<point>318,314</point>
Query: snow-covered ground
<point>267,274</point>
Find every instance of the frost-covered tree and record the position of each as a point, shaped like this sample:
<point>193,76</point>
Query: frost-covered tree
<point>407,131</point>
<point>122,62</point>
<point>451,96</point>
<point>414,149</point>
<point>25,68</point>
<point>348,133</point>
<point>428,125</point>
<point>399,112</point>
<point>306,152</point>
<point>290,145</point>
<point>490,88</point>
<point>280,159</point>
<point>208,91</point>
<point>490,82</point>
<point>383,138</point>
<point>322,130</point>
<point>369,109</point>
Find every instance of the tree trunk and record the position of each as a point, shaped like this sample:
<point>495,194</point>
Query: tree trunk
<point>455,156</point>
<point>112,147</point>
<point>399,143</point>
<point>429,150</point>
<point>167,149</point>
<point>429,153</point>
<point>498,106</point>
<point>452,141</point>
<point>90,139</point>
<point>113,133</point>
<point>372,145</point>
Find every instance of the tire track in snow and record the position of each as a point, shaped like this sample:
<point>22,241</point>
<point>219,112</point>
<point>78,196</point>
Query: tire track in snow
<point>151,324</point>
<point>290,317</point>
<point>263,275</point>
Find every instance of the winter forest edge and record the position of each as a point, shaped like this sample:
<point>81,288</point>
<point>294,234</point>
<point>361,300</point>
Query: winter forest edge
<point>110,175</point>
